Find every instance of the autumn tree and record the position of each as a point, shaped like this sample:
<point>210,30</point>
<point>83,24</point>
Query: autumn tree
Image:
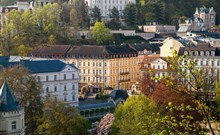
<point>199,83</point>
<point>28,93</point>
<point>100,33</point>
<point>60,119</point>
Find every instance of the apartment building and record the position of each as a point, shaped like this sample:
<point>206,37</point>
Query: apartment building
<point>106,5</point>
<point>58,79</point>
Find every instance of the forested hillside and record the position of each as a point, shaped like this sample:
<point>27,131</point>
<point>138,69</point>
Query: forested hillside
<point>162,11</point>
<point>169,11</point>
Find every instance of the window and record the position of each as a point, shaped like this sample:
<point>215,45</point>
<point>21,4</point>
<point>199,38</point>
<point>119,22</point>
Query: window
<point>163,67</point>
<point>212,63</point>
<point>105,72</point>
<point>207,63</point>
<point>55,77</point>
<point>93,71</point>
<point>47,89</point>
<point>84,71</point>
<point>55,88</point>
<point>64,88</point>
<point>100,64</point>
<point>88,79</point>
<point>13,125</point>
<point>73,97</point>
<point>64,76</point>
<point>73,87</point>
<point>88,71</point>
<point>65,99</point>
<point>88,63</point>
<point>217,63</point>
<point>93,64</point>
<point>47,78</point>
<point>84,64</point>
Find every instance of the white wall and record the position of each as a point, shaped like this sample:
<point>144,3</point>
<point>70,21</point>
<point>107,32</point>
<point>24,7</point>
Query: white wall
<point>65,90</point>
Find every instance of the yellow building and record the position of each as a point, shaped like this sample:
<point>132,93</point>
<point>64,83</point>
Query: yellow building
<point>105,66</point>
<point>112,66</point>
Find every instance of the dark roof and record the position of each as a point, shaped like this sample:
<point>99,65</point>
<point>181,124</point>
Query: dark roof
<point>8,101</point>
<point>94,106</point>
<point>39,66</point>
<point>116,94</point>
<point>201,46</point>
<point>95,50</point>
<point>51,51</point>
<point>141,47</point>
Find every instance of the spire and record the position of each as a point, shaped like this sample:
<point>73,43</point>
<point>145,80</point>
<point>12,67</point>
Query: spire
<point>8,101</point>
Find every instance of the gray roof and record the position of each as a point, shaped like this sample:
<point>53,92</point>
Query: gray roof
<point>8,101</point>
<point>43,66</point>
<point>116,94</point>
<point>94,106</point>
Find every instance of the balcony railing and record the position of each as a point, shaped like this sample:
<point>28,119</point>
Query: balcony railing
<point>125,80</point>
<point>124,73</point>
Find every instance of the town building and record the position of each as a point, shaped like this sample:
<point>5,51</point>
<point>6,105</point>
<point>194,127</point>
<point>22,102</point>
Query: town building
<point>58,79</point>
<point>169,46</point>
<point>106,5</point>
<point>203,20</point>
<point>11,114</point>
<point>101,66</point>
<point>159,28</point>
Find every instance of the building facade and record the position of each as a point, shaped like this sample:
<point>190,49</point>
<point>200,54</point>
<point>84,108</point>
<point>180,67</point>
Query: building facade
<point>11,114</point>
<point>58,79</point>
<point>106,5</point>
<point>203,20</point>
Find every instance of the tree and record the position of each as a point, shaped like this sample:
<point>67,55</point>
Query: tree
<point>141,115</point>
<point>114,15</point>
<point>59,119</point>
<point>199,83</point>
<point>48,22</point>
<point>129,15</point>
<point>138,115</point>
<point>28,93</point>
<point>95,15</point>
<point>74,19</point>
<point>100,33</point>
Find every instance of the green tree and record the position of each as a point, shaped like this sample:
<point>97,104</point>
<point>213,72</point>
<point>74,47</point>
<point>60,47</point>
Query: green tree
<point>138,115</point>
<point>47,19</point>
<point>100,33</point>
<point>129,15</point>
<point>95,15</point>
<point>59,119</point>
<point>141,115</point>
<point>114,23</point>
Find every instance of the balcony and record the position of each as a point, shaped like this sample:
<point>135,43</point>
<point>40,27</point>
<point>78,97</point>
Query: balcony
<point>126,80</point>
<point>124,73</point>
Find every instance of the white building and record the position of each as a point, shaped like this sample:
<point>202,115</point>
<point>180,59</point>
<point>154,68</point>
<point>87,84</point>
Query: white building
<point>58,79</point>
<point>106,5</point>
<point>11,114</point>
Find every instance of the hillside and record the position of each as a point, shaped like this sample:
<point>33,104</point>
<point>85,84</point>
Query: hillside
<point>169,11</point>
